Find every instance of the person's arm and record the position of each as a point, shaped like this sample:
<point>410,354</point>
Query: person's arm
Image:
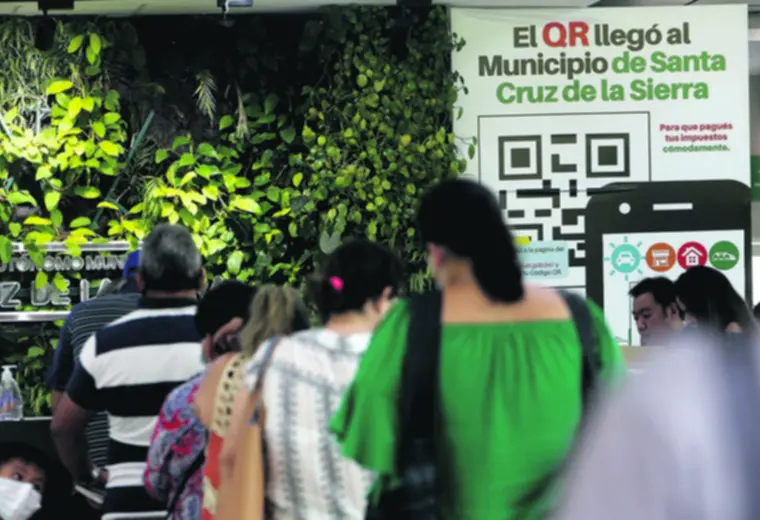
<point>62,366</point>
<point>157,478</point>
<point>613,368</point>
<point>73,413</point>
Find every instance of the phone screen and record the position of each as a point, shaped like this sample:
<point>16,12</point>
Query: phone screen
<point>631,257</point>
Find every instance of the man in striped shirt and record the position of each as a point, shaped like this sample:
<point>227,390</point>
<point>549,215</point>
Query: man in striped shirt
<point>83,321</point>
<point>129,367</point>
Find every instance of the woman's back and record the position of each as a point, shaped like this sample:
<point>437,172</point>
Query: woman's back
<point>510,398</point>
<point>303,386</point>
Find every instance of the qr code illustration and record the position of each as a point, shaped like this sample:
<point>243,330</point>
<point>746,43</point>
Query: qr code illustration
<point>546,167</point>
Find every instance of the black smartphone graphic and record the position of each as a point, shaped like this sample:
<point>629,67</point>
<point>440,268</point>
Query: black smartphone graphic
<point>638,230</point>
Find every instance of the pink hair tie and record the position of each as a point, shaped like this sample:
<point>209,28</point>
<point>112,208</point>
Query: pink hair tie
<point>336,283</point>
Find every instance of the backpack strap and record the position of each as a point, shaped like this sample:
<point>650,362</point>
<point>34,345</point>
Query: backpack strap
<point>590,366</point>
<point>192,470</point>
<point>419,377</point>
<point>591,361</point>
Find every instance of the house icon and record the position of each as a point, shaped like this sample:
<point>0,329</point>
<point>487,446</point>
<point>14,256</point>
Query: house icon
<point>692,256</point>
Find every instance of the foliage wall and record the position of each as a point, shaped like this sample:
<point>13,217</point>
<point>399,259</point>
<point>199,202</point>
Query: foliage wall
<point>271,139</point>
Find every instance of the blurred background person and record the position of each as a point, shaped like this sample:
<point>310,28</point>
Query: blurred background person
<point>680,441</point>
<point>129,367</point>
<point>710,303</point>
<point>174,468</point>
<point>274,311</point>
<point>655,310</point>
<point>302,386</point>
<point>510,370</point>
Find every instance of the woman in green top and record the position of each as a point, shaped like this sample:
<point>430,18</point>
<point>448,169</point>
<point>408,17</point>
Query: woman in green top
<point>510,368</point>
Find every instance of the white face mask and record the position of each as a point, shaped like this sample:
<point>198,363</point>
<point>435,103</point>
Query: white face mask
<point>18,500</point>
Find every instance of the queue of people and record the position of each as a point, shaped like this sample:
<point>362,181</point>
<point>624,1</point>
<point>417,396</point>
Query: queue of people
<point>485,399</point>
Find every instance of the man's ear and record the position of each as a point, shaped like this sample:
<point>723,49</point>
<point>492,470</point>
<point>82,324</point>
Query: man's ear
<point>202,280</point>
<point>671,312</point>
<point>140,282</point>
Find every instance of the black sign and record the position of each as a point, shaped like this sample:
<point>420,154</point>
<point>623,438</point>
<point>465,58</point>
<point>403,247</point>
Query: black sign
<point>80,278</point>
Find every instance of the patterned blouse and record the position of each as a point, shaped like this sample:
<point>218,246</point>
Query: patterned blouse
<point>306,476</point>
<point>179,438</point>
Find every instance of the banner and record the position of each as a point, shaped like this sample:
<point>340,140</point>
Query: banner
<point>623,133</point>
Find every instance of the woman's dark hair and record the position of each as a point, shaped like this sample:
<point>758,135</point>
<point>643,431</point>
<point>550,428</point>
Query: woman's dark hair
<point>222,303</point>
<point>465,219</point>
<point>708,295</point>
<point>355,273</point>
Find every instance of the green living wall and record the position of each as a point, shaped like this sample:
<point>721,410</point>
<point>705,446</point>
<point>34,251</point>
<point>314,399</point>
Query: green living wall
<point>271,139</point>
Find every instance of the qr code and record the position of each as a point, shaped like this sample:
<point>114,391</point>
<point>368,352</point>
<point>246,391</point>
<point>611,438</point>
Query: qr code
<point>545,168</point>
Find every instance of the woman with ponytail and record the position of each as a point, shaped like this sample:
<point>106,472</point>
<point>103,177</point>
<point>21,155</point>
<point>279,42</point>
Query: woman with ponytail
<point>510,369</point>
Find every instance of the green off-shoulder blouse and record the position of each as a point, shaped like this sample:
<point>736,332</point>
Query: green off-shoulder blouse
<point>510,404</point>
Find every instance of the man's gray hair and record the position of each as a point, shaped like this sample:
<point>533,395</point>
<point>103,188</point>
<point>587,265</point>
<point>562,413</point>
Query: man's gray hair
<point>169,260</point>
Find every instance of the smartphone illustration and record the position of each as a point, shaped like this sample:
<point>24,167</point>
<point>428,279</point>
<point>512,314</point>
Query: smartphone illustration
<point>641,230</point>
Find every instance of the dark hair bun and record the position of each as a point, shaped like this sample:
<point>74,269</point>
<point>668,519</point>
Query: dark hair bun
<point>353,274</point>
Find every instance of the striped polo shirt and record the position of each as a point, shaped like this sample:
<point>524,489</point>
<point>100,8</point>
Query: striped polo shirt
<point>127,369</point>
<point>84,320</point>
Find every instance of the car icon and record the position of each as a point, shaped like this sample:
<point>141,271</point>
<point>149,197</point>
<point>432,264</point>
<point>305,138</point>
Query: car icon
<point>625,258</point>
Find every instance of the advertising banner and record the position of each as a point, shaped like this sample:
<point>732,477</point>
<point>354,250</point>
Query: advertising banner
<point>622,133</point>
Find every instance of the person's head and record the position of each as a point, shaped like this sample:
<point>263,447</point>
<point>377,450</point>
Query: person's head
<point>170,263</point>
<point>222,304</point>
<point>462,226</point>
<point>128,282</point>
<point>708,299</point>
<point>23,463</point>
<point>275,311</point>
<point>360,277</point>
<point>655,310</point>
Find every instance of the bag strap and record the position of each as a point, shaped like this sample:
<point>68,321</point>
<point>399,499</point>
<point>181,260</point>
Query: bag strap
<point>257,388</point>
<point>742,396</point>
<point>192,470</point>
<point>419,377</point>
<point>591,364</point>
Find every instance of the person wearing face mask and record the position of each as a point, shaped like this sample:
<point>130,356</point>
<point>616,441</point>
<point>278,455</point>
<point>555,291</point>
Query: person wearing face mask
<point>173,473</point>
<point>22,481</point>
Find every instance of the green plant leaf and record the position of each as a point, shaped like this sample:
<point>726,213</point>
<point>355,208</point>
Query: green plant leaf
<point>6,249</point>
<point>87,192</point>
<point>108,205</point>
<point>109,148</point>
<point>75,44</point>
<point>226,122</point>
<point>270,103</point>
<point>51,199</point>
<point>41,280</point>
<point>234,262</point>
<point>95,43</point>
<point>80,222</point>
<point>43,172</point>
<point>34,220</point>
<point>245,204</point>
<point>20,197</point>
<point>288,134</point>
<point>297,178</point>
<point>207,150</point>
<point>59,86</point>
<point>99,129</point>
<point>111,118</point>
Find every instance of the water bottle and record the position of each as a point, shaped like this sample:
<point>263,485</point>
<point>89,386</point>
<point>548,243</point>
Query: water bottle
<point>11,403</point>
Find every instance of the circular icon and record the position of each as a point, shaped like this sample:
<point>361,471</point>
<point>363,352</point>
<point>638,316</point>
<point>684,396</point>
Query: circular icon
<point>691,254</point>
<point>661,257</point>
<point>724,255</point>
<point>626,258</point>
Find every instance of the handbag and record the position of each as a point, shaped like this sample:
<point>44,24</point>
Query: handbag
<point>246,496</point>
<point>415,497</point>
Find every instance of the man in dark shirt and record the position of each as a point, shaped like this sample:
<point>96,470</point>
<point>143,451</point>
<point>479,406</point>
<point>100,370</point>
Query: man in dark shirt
<point>85,319</point>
